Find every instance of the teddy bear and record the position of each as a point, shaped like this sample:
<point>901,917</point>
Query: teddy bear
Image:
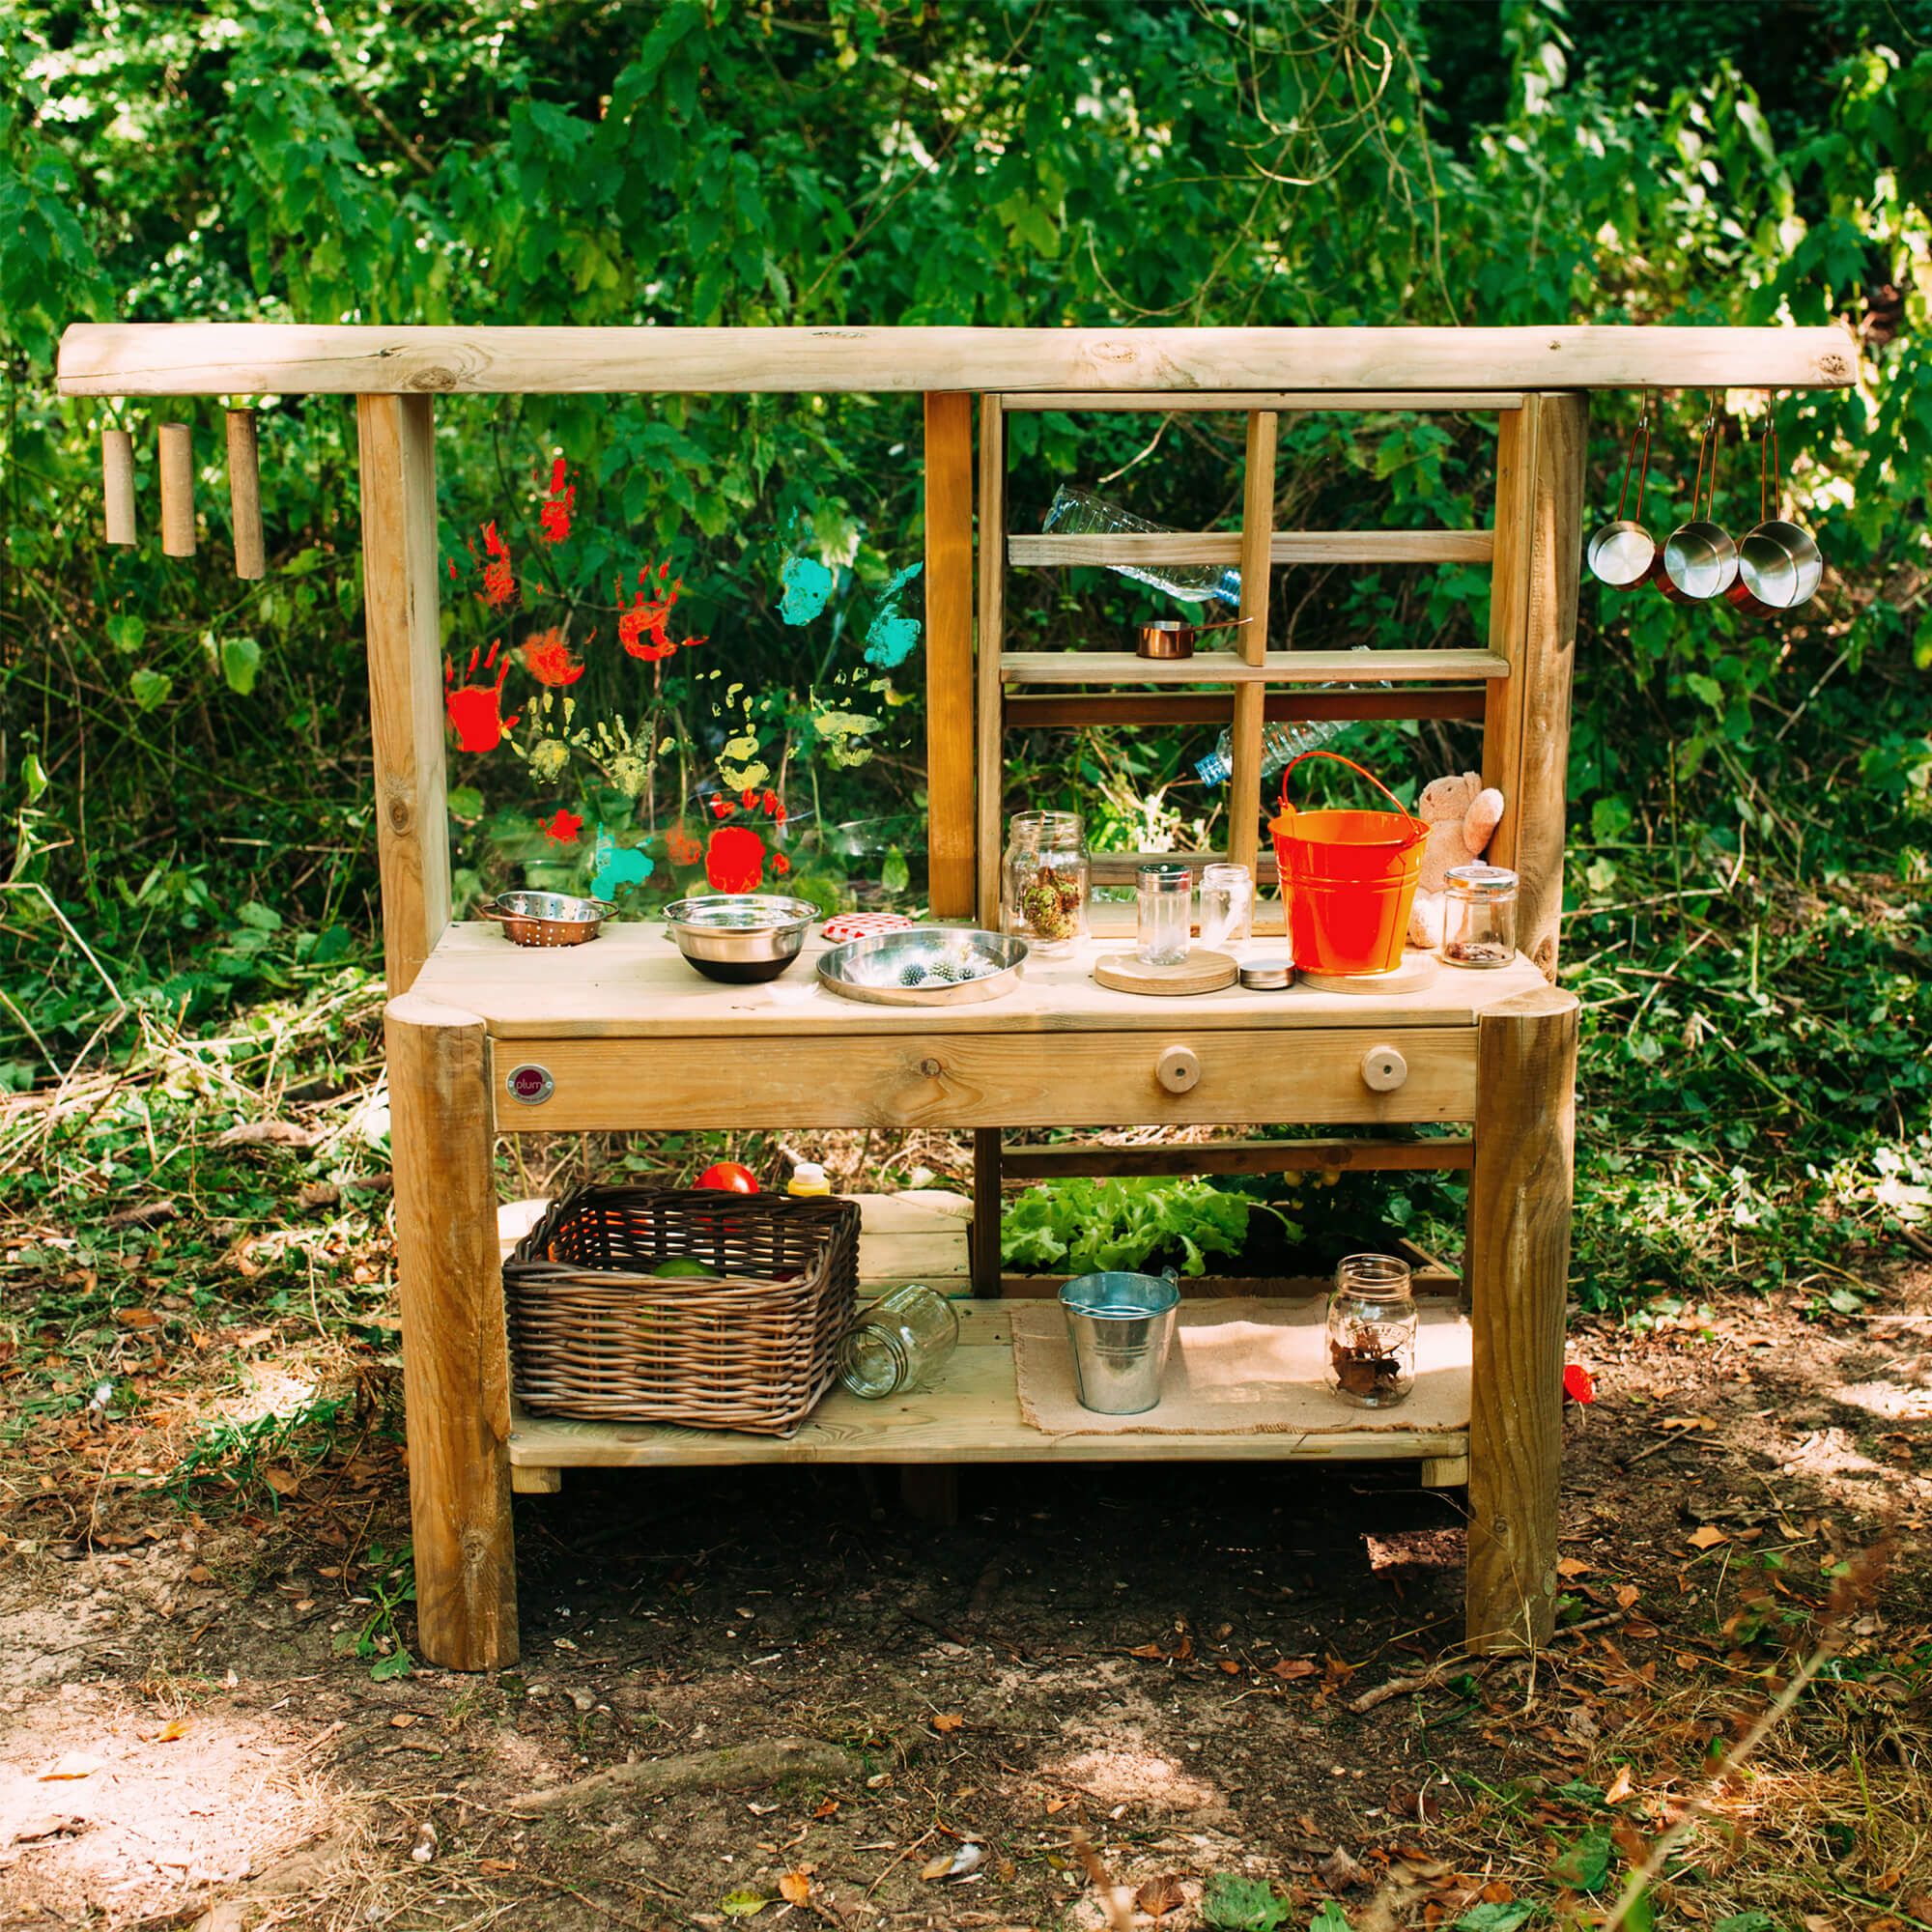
<point>1461,814</point>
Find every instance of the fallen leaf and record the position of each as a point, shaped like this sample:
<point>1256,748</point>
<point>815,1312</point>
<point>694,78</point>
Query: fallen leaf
<point>956,1863</point>
<point>1627,1595</point>
<point>174,1727</point>
<point>200,1573</point>
<point>1149,1650</point>
<point>401,1720</point>
<point>284,1482</point>
<point>1054,1804</point>
<point>827,1809</point>
<point>137,1318</point>
<point>73,1765</point>
<point>143,1214</point>
<point>1708,1538</point>
<point>1288,1668</point>
<point>744,1903</point>
<point>1159,1897</point>
<point>1570,1566</point>
<point>1620,1787</point>
<point>795,1888</point>
<point>251,1338</point>
<point>947,1721</point>
<point>268,1133</point>
<point>1230,1666</point>
<point>496,1867</point>
<point>48,1825</point>
<point>318,1194</point>
<point>1340,1872</point>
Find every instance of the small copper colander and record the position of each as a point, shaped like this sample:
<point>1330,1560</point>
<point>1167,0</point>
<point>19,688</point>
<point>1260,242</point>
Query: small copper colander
<point>547,919</point>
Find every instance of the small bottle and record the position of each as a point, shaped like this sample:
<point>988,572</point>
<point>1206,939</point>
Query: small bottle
<point>1279,744</point>
<point>1080,513</point>
<point>1372,1323</point>
<point>898,1343</point>
<point>809,1182</point>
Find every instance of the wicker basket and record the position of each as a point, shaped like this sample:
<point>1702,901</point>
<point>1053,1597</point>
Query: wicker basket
<point>594,1333</point>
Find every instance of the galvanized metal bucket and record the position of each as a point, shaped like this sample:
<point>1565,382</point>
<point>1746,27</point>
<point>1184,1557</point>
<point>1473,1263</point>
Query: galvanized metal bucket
<point>1122,1327</point>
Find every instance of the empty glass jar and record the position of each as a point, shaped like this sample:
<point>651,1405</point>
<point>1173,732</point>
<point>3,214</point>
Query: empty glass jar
<point>1043,896</point>
<point>1226,906</point>
<point>1166,914</point>
<point>1371,1332</point>
<point>1479,917</point>
<point>900,1341</point>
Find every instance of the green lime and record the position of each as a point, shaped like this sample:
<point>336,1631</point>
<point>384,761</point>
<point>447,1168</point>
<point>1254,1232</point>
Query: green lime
<point>681,1267</point>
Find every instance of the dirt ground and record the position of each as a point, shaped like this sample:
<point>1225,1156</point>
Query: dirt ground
<point>774,1694</point>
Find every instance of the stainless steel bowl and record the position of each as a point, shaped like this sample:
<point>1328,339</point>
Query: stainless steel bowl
<point>547,919</point>
<point>739,937</point>
<point>1778,568</point>
<point>1623,555</point>
<point>877,968</point>
<point>1700,563</point>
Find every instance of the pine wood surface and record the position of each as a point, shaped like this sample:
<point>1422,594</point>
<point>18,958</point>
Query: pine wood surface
<point>245,494</point>
<point>948,653</point>
<point>1354,547</point>
<point>1200,971</point>
<point>1027,711</point>
<point>630,982</point>
<point>1229,668</point>
<point>1285,401</point>
<point>990,641</point>
<point>397,449</point>
<point>296,358</point>
<point>1244,733</point>
<point>117,486</point>
<point>972,1414</point>
<point>175,467</point>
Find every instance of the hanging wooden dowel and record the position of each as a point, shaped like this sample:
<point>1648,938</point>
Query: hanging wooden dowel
<point>245,494</point>
<point>177,491</point>
<point>117,484</point>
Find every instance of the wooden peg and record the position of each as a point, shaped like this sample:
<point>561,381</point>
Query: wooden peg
<point>245,494</point>
<point>177,491</point>
<point>117,484</point>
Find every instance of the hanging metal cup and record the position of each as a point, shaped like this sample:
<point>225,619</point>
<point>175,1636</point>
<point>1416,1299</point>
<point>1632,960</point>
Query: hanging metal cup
<point>1622,553</point>
<point>1700,561</point>
<point>1780,566</point>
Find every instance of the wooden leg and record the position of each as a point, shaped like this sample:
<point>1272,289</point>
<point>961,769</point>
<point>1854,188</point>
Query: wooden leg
<point>985,1256</point>
<point>535,1482</point>
<point>1518,1268</point>
<point>1438,1472</point>
<point>930,1492</point>
<point>456,1371</point>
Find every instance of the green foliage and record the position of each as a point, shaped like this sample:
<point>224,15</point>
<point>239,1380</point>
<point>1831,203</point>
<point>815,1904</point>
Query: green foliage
<point>1231,1903</point>
<point>1081,1226</point>
<point>388,1580</point>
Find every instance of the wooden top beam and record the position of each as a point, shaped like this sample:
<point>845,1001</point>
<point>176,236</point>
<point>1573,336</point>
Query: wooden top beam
<point>192,358</point>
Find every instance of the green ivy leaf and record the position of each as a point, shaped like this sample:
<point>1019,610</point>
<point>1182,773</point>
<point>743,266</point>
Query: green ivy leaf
<point>34,776</point>
<point>1491,1917</point>
<point>150,688</point>
<point>127,632</point>
<point>744,1903</point>
<point>240,663</point>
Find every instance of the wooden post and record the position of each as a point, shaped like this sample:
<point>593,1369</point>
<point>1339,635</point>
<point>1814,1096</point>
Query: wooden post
<point>1533,623</point>
<point>1517,1271</point>
<point>456,1376</point>
<point>948,653</point>
<point>1244,784</point>
<point>992,642</point>
<point>245,494</point>
<point>983,1244</point>
<point>117,484</point>
<point>177,468</point>
<point>399,593</point>
<point>930,1492</point>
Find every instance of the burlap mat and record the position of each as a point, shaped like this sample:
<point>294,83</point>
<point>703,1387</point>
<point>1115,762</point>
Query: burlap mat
<point>1241,1368</point>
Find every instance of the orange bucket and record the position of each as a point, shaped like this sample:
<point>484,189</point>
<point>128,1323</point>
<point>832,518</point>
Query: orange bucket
<point>1349,878</point>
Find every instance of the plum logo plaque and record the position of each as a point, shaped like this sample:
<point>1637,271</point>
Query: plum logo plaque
<point>531,1084</point>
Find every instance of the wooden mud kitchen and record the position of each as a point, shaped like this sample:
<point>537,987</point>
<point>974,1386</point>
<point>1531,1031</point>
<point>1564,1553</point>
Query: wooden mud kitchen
<point>487,1039</point>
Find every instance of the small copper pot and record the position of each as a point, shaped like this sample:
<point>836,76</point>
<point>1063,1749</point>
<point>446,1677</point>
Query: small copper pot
<point>1169,638</point>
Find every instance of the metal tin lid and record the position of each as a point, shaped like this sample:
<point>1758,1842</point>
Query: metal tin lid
<point>1268,976</point>
<point>1482,879</point>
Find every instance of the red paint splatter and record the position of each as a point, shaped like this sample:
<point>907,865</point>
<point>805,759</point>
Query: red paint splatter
<point>499,582</point>
<point>774,808</point>
<point>563,829</point>
<point>734,861</point>
<point>1578,1384</point>
<point>780,864</point>
<point>723,808</point>
<point>546,656</point>
<point>681,848</point>
<point>473,708</point>
<point>553,518</point>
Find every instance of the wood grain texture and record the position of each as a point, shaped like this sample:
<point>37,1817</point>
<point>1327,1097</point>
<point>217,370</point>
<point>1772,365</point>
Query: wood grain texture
<point>1353,547</point>
<point>989,1080</point>
<point>1449,667</point>
<point>1244,734</point>
<point>535,1482</point>
<point>293,358</point>
<point>245,494</point>
<point>456,1376</point>
<point>177,479</point>
<point>1200,971</point>
<point>117,486</point>
<point>1517,1267</point>
<point>992,655</point>
<point>948,653</point>
<point>1028,712</point>
<point>1298,1156</point>
<point>1284,402</point>
<point>1509,605</point>
<point>406,696</point>
<point>972,1414</point>
<point>631,983</point>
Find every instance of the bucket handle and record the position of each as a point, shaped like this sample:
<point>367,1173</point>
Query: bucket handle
<point>1421,830</point>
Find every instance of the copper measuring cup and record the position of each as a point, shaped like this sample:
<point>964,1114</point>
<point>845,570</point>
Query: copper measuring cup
<point>1780,566</point>
<point>1168,638</point>
<point>1622,553</point>
<point>1700,561</point>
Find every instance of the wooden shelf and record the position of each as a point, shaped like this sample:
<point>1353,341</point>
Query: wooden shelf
<point>1286,401</point>
<point>1370,667</point>
<point>973,1415</point>
<point>1199,547</point>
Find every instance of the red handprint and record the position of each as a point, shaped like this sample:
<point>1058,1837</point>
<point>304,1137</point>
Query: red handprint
<point>474,709</point>
<point>547,657</point>
<point>499,584</point>
<point>641,624</point>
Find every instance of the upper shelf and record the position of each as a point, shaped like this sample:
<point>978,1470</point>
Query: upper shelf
<point>198,358</point>
<point>1368,667</point>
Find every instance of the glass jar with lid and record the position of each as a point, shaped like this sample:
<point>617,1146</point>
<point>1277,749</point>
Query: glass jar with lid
<point>1166,909</point>
<point>1372,1323</point>
<point>1226,906</point>
<point>1479,917</point>
<point>898,1343</point>
<point>1046,880</point>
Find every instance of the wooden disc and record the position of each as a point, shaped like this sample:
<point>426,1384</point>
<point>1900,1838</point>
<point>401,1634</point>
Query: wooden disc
<point>1198,973</point>
<point>1416,971</point>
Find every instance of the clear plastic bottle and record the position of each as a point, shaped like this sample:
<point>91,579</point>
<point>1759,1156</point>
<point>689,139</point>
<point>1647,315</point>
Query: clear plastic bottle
<point>1079,512</point>
<point>1279,744</point>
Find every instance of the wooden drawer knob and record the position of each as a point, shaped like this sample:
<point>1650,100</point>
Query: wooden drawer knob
<point>1178,1070</point>
<point>1384,1069</point>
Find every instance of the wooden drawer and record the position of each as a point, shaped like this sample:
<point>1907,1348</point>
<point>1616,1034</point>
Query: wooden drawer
<point>989,1080</point>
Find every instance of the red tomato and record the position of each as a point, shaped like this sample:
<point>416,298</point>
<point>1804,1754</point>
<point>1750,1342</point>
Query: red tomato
<point>729,1177</point>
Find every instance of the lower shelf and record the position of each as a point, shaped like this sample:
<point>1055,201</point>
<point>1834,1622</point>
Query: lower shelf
<point>973,1415</point>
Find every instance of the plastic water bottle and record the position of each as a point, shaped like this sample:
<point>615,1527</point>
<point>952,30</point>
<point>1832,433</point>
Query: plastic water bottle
<point>1080,513</point>
<point>1279,744</point>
